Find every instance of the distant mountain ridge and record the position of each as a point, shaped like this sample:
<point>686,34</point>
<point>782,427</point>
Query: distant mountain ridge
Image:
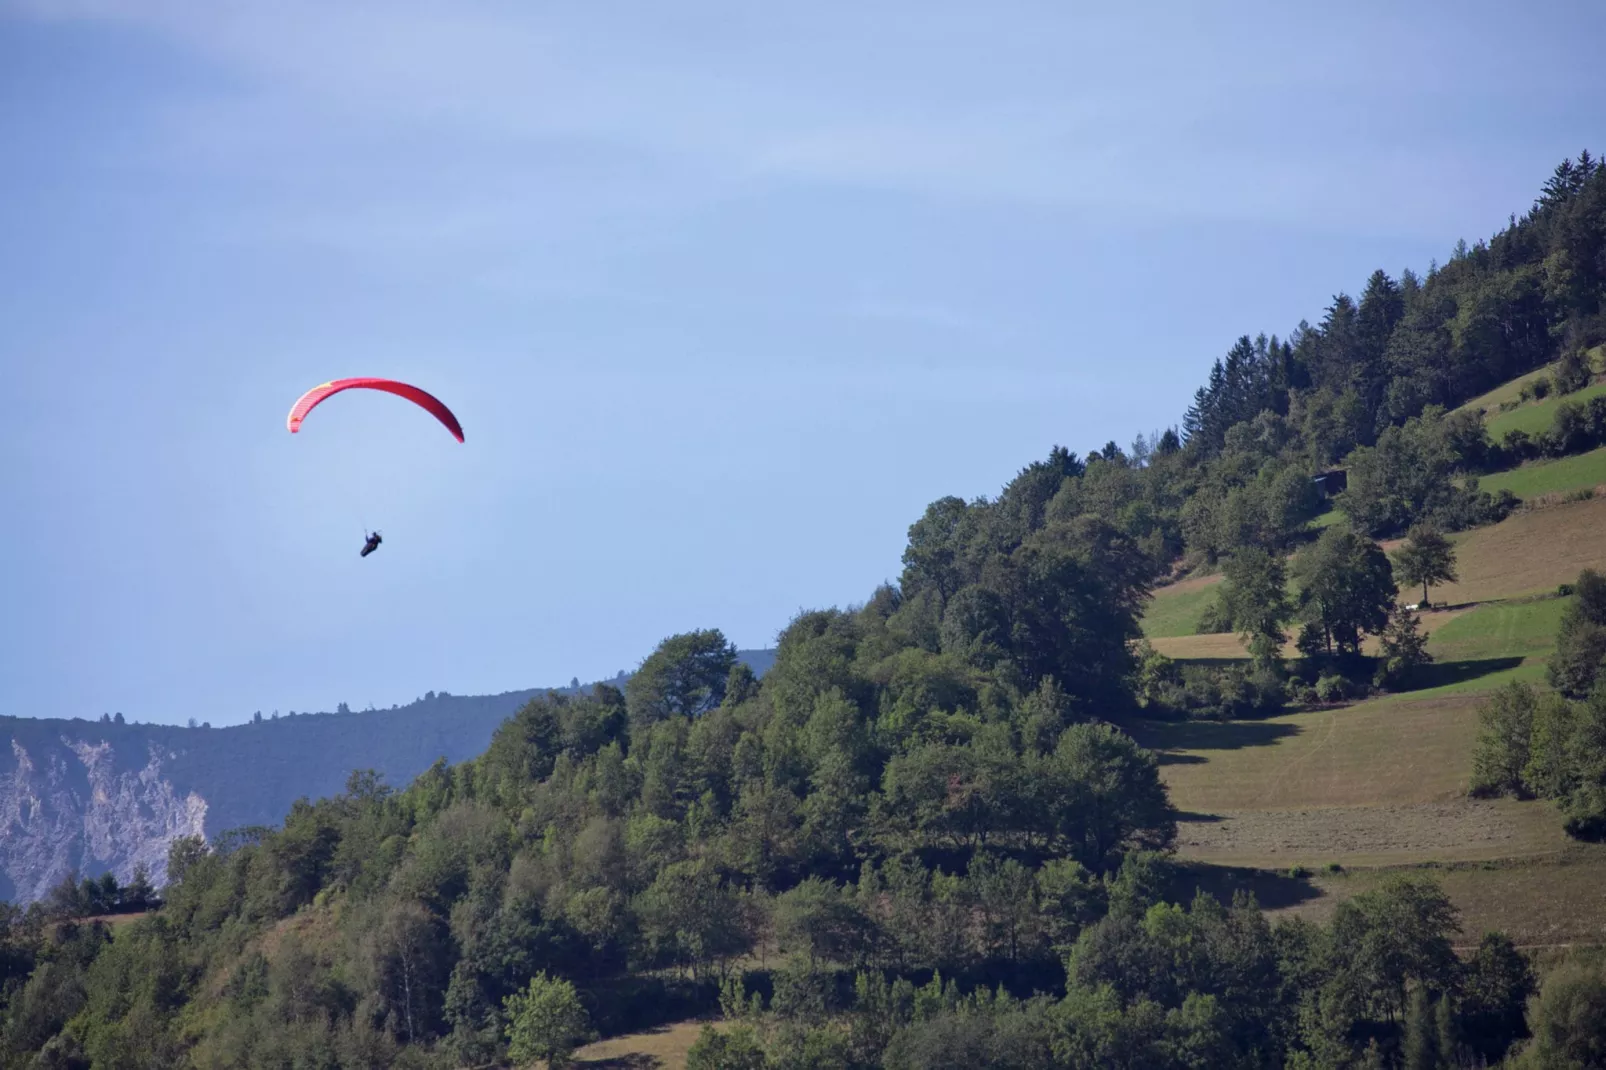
<point>92,796</point>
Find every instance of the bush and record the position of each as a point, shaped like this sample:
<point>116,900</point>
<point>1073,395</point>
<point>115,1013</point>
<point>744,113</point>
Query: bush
<point>739,1049</point>
<point>1330,687</point>
<point>1584,813</point>
<point>1231,692</point>
<point>1541,388</point>
<point>1349,677</point>
<point>1569,429</point>
<point>1300,693</point>
<point>1573,373</point>
<point>1517,447</point>
<point>1569,1018</point>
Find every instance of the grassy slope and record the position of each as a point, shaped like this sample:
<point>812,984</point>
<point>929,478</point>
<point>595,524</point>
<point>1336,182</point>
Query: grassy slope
<point>1382,783</point>
<point>1584,470</point>
<point>659,1049</point>
<point>1489,404</point>
<point>1536,416</point>
<point>1175,609</point>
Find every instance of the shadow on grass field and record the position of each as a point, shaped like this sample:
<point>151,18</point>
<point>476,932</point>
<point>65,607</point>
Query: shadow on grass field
<point>1451,673</point>
<point>1272,890</point>
<point>1170,736</point>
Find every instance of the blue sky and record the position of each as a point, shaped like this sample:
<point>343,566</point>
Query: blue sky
<point>724,294</point>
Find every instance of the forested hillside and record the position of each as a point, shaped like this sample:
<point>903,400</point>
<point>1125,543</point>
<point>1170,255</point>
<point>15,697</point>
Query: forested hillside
<point>926,838</point>
<point>92,797</point>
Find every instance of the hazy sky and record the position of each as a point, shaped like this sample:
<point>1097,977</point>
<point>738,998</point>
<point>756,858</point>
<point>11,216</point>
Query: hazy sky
<point>724,294</point>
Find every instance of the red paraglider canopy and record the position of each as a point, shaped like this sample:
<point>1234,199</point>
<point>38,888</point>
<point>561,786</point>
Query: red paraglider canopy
<point>317,394</point>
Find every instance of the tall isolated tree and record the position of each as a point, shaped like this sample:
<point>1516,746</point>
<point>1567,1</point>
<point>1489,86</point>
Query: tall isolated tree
<point>1426,557</point>
<point>684,677</point>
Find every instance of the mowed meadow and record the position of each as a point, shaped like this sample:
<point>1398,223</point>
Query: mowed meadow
<point>1337,795</point>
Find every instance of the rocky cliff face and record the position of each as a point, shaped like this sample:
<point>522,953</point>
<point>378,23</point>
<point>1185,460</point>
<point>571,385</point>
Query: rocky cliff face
<point>66,806</point>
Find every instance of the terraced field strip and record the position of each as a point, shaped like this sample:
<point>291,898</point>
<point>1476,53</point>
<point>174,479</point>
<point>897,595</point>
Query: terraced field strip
<point>1525,554</point>
<point>1548,902</point>
<point>1313,837</point>
<point>1536,416</point>
<point>1401,750</point>
<point>1511,390</point>
<point>1528,553</point>
<point>1535,480</point>
<point>1538,626</point>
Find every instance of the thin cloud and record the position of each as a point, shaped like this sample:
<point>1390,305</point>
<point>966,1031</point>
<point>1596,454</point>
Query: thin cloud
<point>1174,116</point>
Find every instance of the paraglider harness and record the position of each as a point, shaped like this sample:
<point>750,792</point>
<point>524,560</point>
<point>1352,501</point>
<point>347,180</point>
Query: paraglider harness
<point>371,544</point>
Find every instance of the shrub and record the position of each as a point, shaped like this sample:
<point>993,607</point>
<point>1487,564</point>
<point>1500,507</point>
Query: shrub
<point>1541,388</point>
<point>1330,687</point>
<point>1234,691</point>
<point>1573,373</point>
<point>1517,447</point>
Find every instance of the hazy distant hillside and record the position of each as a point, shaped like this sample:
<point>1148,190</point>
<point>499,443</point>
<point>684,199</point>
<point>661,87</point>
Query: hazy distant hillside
<point>96,796</point>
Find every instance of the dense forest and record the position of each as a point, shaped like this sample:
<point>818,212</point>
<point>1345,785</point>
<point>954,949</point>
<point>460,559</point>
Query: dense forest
<point>925,838</point>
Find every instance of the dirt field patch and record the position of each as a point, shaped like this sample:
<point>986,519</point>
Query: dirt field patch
<point>1200,647</point>
<point>1528,553</point>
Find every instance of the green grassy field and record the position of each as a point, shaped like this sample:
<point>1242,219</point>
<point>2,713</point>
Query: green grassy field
<point>1550,477</point>
<point>1512,391</point>
<point>1175,610</point>
<point>1500,630</point>
<point>1380,785</point>
<point>1505,392</point>
<point>1537,416</point>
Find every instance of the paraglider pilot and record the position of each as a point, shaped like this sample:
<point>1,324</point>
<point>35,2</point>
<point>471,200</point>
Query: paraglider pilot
<point>371,545</point>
